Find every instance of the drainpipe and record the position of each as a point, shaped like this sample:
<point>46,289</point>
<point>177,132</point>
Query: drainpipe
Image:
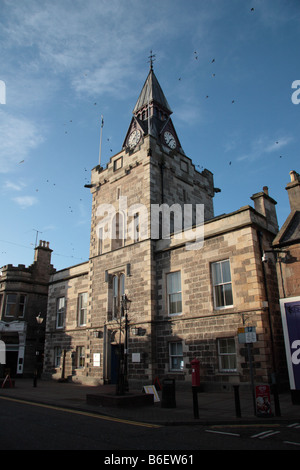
<point>162,166</point>
<point>274,373</point>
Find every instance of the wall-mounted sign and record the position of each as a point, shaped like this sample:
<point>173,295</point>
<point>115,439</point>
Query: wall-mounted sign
<point>136,357</point>
<point>96,359</point>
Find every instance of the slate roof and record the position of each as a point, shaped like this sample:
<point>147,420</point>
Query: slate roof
<point>290,231</point>
<point>152,92</point>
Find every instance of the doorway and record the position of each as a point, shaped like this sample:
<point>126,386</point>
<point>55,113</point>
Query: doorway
<point>114,362</point>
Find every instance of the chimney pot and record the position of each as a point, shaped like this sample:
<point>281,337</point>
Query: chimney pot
<point>266,190</point>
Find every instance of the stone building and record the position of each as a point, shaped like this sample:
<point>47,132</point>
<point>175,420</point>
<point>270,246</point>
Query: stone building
<point>67,333</point>
<point>285,254</point>
<point>193,279</point>
<point>23,298</point>
<point>286,245</point>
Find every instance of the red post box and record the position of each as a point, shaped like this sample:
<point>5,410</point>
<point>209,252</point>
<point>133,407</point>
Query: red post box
<point>195,373</point>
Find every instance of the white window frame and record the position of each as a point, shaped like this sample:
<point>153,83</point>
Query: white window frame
<point>60,313</point>
<point>176,355</point>
<point>80,357</point>
<point>171,292</point>
<point>118,290</point>
<point>222,284</point>
<point>57,356</point>
<point>226,354</point>
<point>82,309</point>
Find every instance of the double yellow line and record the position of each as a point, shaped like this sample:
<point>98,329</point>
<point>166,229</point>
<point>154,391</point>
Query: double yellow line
<point>83,413</point>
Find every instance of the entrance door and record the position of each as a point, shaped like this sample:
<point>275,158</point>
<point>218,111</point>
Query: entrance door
<point>114,362</point>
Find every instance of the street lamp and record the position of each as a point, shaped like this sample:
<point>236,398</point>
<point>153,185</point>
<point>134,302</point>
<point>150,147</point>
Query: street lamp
<point>126,306</point>
<point>39,320</point>
<point>122,384</point>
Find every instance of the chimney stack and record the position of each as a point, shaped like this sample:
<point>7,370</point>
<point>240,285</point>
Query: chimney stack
<point>293,189</point>
<point>42,260</point>
<point>265,205</point>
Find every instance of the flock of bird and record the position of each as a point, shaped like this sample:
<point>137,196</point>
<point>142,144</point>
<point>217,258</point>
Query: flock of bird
<point>111,150</point>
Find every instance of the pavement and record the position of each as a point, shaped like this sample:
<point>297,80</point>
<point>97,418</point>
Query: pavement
<point>213,408</point>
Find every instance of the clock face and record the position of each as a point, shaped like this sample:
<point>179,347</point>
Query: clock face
<point>134,138</point>
<point>170,140</point>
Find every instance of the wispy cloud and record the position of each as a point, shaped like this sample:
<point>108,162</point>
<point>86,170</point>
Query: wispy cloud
<point>14,185</point>
<point>96,45</point>
<point>264,145</point>
<point>99,45</point>
<point>25,201</point>
<point>18,136</point>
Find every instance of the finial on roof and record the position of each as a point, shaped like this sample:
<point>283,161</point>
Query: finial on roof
<point>152,59</point>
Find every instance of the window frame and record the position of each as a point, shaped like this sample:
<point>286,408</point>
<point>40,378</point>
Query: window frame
<point>23,304</point>
<point>118,290</point>
<point>80,357</point>
<point>100,240</point>
<point>118,234</point>
<point>221,284</point>
<point>178,355</point>
<point>173,293</point>
<point>60,313</point>
<point>227,355</point>
<point>57,356</point>
<point>184,166</point>
<point>14,304</point>
<point>81,307</point>
<point>118,163</point>
<point>136,227</point>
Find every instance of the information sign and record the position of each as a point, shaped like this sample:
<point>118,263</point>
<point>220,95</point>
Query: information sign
<point>150,389</point>
<point>247,334</point>
<point>96,358</point>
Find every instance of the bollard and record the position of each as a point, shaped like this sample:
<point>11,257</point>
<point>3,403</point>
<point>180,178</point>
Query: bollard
<point>237,401</point>
<point>274,391</point>
<point>168,394</point>
<point>195,402</point>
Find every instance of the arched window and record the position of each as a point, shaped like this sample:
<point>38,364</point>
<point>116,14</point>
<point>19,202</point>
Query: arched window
<point>115,291</point>
<point>118,290</point>
<point>117,232</point>
<point>122,285</point>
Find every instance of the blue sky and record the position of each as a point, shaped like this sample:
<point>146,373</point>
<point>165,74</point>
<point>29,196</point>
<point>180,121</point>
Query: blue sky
<point>225,66</point>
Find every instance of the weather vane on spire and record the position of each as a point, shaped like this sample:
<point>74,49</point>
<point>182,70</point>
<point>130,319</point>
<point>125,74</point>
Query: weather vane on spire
<point>152,59</point>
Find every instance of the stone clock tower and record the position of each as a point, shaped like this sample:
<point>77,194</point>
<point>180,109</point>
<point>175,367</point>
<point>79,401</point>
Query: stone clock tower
<point>186,302</point>
<point>151,116</point>
<point>151,169</point>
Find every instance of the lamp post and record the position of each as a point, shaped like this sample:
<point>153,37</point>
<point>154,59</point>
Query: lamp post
<point>39,321</point>
<point>126,306</point>
<point>122,384</point>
